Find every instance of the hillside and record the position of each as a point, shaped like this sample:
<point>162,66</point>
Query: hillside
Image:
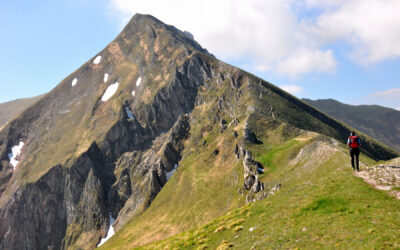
<point>376,121</point>
<point>151,137</point>
<point>10,110</point>
<point>313,201</point>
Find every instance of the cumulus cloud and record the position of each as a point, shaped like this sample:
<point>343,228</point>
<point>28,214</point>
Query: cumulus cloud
<point>292,89</point>
<point>371,26</point>
<point>286,36</point>
<point>305,61</point>
<point>265,33</point>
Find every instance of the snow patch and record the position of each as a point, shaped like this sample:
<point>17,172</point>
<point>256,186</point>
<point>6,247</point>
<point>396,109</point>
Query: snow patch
<point>110,91</point>
<point>15,152</point>
<point>252,229</point>
<point>74,82</point>
<point>105,78</point>
<point>138,81</point>
<point>170,173</point>
<point>129,113</point>
<point>97,60</point>
<point>133,93</point>
<point>64,111</point>
<point>110,232</point>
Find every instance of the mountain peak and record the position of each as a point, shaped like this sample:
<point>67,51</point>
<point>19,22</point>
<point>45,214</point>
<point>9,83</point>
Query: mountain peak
<point>140,19</point>
<point>153,27</point>
<point>107,139</point>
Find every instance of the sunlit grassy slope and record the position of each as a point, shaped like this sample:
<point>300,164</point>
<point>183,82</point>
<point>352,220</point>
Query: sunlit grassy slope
<point>320,202</point>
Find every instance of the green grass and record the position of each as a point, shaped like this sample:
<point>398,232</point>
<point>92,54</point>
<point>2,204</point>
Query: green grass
<point>270,159</point>
<point>396,188</point>
<point>327,208</point>
<point>320,204</point>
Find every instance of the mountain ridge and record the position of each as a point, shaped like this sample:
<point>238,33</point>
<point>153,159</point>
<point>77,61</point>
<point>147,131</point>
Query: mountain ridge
<point>376,121</point>
<point>10,109</point>
<point>88,158</point>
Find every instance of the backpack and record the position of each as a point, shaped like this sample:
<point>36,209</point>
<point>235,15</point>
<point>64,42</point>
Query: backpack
<point>354,142</point>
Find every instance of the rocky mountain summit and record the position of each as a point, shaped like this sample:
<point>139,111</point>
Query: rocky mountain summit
<point>105,142</point>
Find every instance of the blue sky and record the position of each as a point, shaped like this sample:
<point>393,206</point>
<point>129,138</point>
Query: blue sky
<point>346,50</point>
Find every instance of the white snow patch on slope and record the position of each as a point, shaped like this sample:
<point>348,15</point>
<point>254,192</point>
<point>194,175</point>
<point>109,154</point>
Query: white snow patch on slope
<point>252,229</point>
<point>74,82</point>
<point>110,232</point>
<point>170,173</point>
<point>133,93</point>
<point>105,77</point>
<point>138,81</point>
<point>15,152</point>
<point>97,60</point>
<point>129,113</point>
<point>110,91</point>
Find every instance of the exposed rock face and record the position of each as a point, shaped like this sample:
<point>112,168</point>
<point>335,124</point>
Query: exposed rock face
<point>85,157</point>
<point>251,180</point>
<point>42,215</point>
<point>141,176</point>
<point>249,135</point>
<point>88,187</point>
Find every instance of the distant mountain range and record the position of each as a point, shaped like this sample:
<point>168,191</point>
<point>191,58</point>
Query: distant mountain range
<point>376,121</point>
<point>10,110</point>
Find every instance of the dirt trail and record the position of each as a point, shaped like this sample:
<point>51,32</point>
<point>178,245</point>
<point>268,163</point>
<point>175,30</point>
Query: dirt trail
<point>383,177</point>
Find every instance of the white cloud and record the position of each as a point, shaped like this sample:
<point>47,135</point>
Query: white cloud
<point>325,3</point>
<point>287,36</point>
<point>392,94</point>
<point>388,98</point>
<point>371,26</point>
<point>305,61</point>
<point>292,89</point>
<point>265,33</point>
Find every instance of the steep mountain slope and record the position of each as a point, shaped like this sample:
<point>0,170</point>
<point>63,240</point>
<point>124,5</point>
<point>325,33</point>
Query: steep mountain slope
<point>107,139</point>
<point>10,110</point>
<point>318,203</point>
<point>376,121</point>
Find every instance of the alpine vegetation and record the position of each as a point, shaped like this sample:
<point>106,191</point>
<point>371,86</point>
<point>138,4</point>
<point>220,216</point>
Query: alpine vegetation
<point>184,151</point>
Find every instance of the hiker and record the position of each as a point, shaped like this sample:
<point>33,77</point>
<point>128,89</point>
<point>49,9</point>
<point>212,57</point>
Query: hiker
<point>354,144</point>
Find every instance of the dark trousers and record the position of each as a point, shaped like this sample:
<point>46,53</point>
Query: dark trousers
<point>354,153</point>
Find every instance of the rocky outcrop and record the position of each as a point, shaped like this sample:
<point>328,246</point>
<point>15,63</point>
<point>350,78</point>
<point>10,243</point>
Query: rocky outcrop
<point>86,158</point>
<point>249,135</point>
<point>383,176</point>
<point>42,215</point>
<point>255,188</point>
<point>61,197</point>
<point>120,173</point>
<point>140,176</point>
